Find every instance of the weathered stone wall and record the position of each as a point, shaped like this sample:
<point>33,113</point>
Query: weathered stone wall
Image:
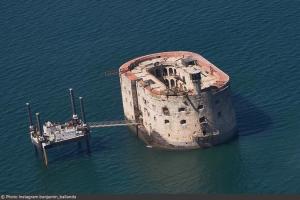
<point>219,114</point>
<point>181,118</point>
<point>167,123</point>
<point>127,98</point>
<point>181,122</point>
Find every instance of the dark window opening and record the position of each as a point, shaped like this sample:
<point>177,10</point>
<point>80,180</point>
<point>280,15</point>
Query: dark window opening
<point>202,119</point>
<point>165,72</point>
<point>219,114</point>
<point>183,121</point>
<point>183,79</point>
<point>167,121</point>
<point>181,109</point>
<point>170,71</point>
<point>204,132</point>
<point>200,107</point>
<point>166,111</point>
<point>169,134</point>
<point>172,83</point>
<point>196,76</point>
<point>175,71</point>
<point>167,83</point>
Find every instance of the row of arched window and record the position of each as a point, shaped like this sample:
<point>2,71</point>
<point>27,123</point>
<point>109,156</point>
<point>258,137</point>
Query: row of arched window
<point>171,72</point>
<point>170,83</point>
<point>166,72</point>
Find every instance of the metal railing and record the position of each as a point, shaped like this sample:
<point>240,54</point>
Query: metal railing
<point>112,123</point>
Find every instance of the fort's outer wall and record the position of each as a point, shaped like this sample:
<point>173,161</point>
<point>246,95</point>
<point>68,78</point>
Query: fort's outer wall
<point>128,97</point>
<point>154,119</point>
<point>219,112</point>
<point>174,134</point>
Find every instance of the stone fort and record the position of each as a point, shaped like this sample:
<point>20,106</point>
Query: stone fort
<point>179,99</point>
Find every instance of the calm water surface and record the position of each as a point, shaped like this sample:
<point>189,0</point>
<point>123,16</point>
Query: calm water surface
<point>48,46</point>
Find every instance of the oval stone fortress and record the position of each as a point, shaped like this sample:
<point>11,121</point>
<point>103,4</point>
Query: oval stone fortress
<point>179,99</point>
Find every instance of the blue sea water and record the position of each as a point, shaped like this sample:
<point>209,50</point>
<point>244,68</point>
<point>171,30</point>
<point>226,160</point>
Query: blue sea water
<point>47,47</point>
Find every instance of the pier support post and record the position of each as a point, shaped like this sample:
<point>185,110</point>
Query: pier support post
<point>82,110</point>
<point>137,130</point>
<point>74,115</point>
<point>45,156</point>
<point>87,139</point>
<point>30,117</point>
<point>39,126</point>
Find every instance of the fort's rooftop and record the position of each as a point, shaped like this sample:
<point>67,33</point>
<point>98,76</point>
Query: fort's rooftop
<point>161,72</point>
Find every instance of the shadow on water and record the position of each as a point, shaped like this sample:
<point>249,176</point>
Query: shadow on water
<point>250,118</point>
<point>75,150</point>
<point>99,143</point>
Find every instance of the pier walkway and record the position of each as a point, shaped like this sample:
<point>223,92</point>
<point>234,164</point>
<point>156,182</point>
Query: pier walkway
<point>104,124</point>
